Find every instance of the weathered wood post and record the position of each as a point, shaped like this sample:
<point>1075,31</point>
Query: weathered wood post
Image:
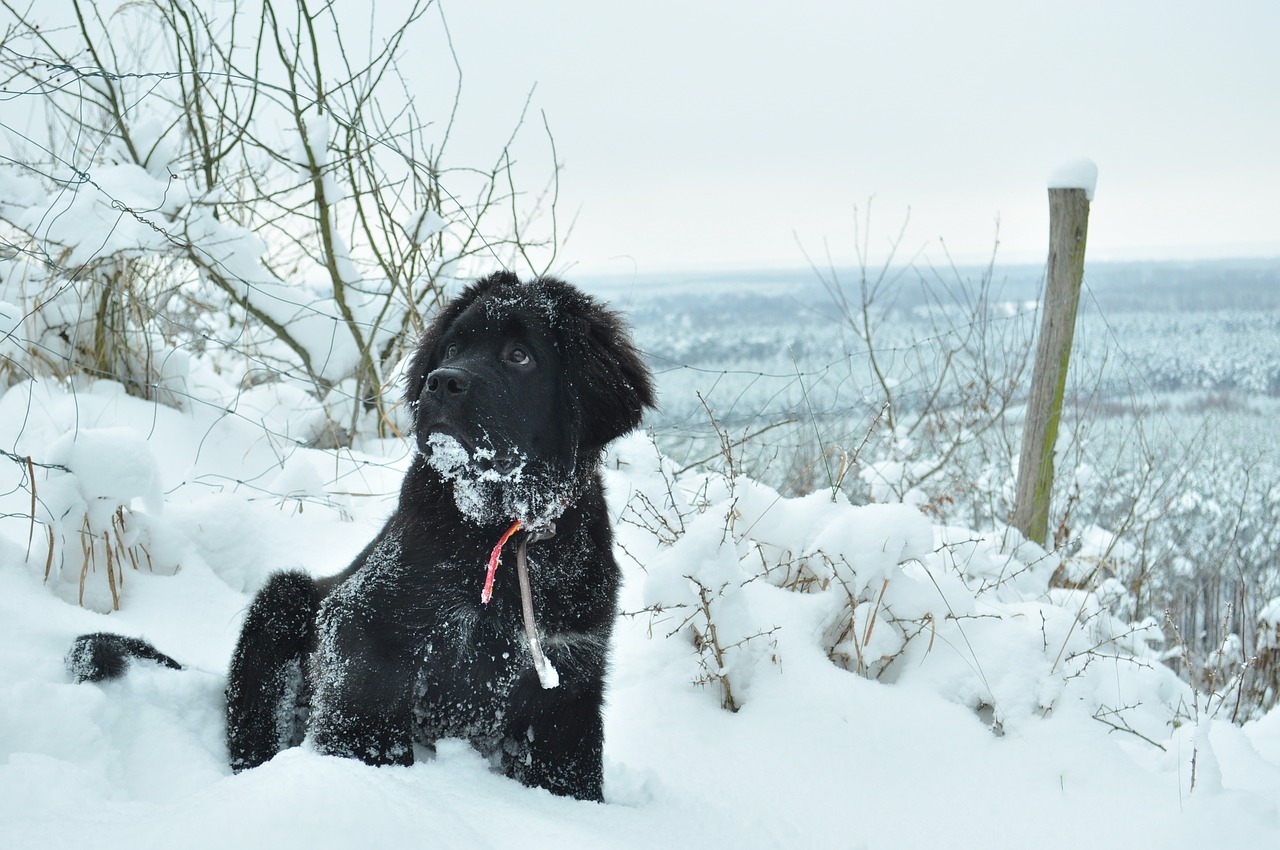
<point>1070,192</point>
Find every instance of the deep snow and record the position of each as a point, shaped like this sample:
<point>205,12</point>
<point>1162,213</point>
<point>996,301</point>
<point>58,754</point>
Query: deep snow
<point>980,733</point>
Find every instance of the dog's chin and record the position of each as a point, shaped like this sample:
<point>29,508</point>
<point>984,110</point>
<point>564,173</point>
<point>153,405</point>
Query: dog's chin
<point>498,488</point>
<point>535,501</point>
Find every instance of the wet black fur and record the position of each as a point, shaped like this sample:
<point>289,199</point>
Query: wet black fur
<point>397,650</point>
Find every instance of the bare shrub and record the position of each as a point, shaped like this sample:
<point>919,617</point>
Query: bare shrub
<point>250,186</point>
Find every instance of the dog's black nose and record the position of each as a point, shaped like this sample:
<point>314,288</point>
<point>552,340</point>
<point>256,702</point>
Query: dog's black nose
<point>447,382</point>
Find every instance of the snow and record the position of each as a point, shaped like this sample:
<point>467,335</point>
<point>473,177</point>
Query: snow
<point>1079,173</point>
<point>964,708</point>
<point>109,465</point>
<point>1271,613</point>
<point>422,224</point>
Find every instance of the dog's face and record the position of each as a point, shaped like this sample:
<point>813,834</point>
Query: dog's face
<point>492,385</point>
<point>515,390</point>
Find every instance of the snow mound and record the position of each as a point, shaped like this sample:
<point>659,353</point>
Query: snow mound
<point>109,467</point>
<point>102,505</point>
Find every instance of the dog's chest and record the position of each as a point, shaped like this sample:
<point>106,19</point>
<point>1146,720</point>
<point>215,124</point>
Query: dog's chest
<point>469,665</point>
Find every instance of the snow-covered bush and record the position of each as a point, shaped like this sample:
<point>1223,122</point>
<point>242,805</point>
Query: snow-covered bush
<point>238,186</point>
<point>905,384</point>
<point>754,582</point>
<point>1265,683</point>
<point>101,506</point>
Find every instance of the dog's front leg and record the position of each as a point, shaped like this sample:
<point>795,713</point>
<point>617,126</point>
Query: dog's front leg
<point>555,736</point>
<point>360,705</point>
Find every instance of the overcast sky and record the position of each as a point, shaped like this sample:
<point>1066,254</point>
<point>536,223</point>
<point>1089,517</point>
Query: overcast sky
<point>717,134</point>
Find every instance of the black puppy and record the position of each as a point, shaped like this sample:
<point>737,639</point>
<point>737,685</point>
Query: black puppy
<point>515,390</point>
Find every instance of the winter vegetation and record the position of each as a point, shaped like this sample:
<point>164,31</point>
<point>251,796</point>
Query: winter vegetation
<point>219,238</point>
<point>1168,463</point>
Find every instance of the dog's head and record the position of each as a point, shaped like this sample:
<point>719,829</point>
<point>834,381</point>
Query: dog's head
<point>515,390</point>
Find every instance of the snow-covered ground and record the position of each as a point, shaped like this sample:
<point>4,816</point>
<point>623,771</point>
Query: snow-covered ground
<point>899,685</point>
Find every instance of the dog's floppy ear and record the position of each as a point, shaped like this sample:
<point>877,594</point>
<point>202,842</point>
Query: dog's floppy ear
<point>421,364</point>
<point>609,378</point>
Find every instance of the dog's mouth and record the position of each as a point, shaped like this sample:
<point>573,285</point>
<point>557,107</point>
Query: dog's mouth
<point>503,464</point>
<point>438,438</point>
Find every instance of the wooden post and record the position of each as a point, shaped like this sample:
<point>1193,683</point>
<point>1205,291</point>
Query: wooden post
<point>1068,227</point>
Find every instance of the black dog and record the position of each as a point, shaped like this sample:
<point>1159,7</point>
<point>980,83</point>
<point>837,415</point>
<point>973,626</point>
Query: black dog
<point>515,391</point>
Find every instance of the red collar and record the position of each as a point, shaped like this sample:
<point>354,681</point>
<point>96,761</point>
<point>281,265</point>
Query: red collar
<point>494,558</point>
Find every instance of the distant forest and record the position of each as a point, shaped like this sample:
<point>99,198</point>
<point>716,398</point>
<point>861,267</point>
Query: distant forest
<point>773,296</point>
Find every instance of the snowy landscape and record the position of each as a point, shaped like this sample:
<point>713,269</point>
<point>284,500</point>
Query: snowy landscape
<point>897,682</point>
<point>829,634</point>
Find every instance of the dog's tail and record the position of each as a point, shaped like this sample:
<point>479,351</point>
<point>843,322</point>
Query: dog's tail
<point>101,656</point>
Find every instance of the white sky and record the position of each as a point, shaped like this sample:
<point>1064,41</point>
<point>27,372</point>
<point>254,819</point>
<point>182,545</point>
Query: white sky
<point>714,134</point>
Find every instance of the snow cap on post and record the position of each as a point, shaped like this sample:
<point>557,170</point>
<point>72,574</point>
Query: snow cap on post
<point>1079,173</point>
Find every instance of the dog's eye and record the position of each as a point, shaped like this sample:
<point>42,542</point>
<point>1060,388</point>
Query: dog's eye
<point>519,356</point>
